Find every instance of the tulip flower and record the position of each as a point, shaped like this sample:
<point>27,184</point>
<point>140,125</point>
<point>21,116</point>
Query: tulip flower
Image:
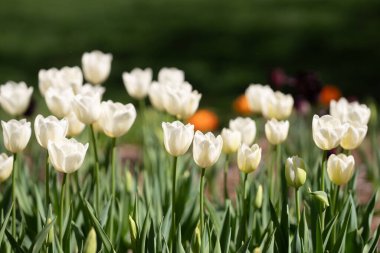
<point>66,77</point>
<point>206,152</point>
<point>137,82</point>
<point>171,75</point>
<point>177,137</point>
<point>157,95</point>
<point>277,106</point>
<point>92,91</point>
<point>353,135</point>
<point>248,158</point>
<point>6,166</point>
<point>246,127</point>
<point>115,118</point>
<point>350,112</point>
<point>90,244</point>
<point>15,97</point>
<point>49,128</point>
<point>256,95</point>
<point>259,197</point>
<point>73,77</point>
<point>86,108</point>
<point>340,168</point>
<point>75,126</point>
<point>59,100</point>
<point>327,131</point>
<point>96,66</point>
<point>276,131</point>
<point>16,134</point>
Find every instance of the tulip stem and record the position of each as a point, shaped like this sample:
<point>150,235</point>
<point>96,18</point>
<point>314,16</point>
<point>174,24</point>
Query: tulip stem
<point>14,196</point>
<point>96,170</point>
<point>61,209</point>
<point>225,178</point>
<point>324,156</point>
<point>47,182</point>
<point>242,229</point>
<point>298,207</point>
<point>278,166</point>
<point>113,191</point>
<point>201,211</point>
<point>173,202</point>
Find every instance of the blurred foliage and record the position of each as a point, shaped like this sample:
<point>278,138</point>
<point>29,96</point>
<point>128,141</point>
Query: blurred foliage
<point>222,45</point>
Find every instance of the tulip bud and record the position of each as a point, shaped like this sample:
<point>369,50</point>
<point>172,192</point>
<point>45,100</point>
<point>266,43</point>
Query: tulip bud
<point>116,119</point>
<point>137,82</point>
<point>75,126</point>
<point>66,155</point>
<point>96,66</point>
<point>259,197</point>
<point>50,238</point>
<point>257,250</point>
<point>340,168</point>
<point>171,75</point>
<point>6,167</point>
<point>129,183</point>
<point>248,158</point>
<point>327,131</point>
<point>321,196</point>
<point>58,100</point>
<point>157,95</point>
<point>353,136</point>
<point>177,137</point>
<point>246,127</point>
<point>231,140</point>
<point>15,97</point>
<point>86,108</point>
<point>295,172</point>
<point>196,246</point>
<point>256,95</point>
<point>276,131</point>
<point>206,149</point>
<point>133,227</point>
<point>49,128</point>
<point>90,245</point>
<point>277,106</point>
<point>16,134</point>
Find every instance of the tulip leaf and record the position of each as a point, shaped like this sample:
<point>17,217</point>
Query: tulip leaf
<point>319,239</point>
<point>179,247</point>
<point>280,240</point>
<point>372,245</point>
<point>340,243</point>
<point>144,231</point>
<point>15,245</point>
<point>104,214</point>
<point>5,223</point>
<point>327,231</point>
<point>213,216</point>
<point>225,235</point>
<point>244,247</point>
<point>367,217</point>
<point>41,237</point>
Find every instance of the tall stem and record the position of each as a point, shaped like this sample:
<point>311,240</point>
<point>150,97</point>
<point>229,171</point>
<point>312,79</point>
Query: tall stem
<point>62,205</point>
<point>47,181</point>
<point>243,225</point>
<point>278,166</point>
<point>173,202</point>
<point>298,208</point>
<point>14,195</point>
<point>324,156</point>
<point>201,211</point>
<point>96,169</point>
<point>225,178</point>
<point>113,187</point>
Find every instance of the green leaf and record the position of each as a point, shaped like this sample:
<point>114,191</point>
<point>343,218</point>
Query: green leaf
<point>328,230</point>
<point>280,240</point>
<point>144,231</point>
<point>214,217</point>
<point>244,247</point>
<point>225,235</point>
<point>319,240</point>
<point>104,214</point>
<point>179,248</point>
<point>15,245</point>
<point>371,246</point>
<point>41,237</point>
<point>5,223</point>
<point>339,245</point>
<point>367,217</point>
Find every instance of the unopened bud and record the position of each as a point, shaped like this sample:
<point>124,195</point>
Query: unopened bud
<point>90,244</point>
<point>259,197</point>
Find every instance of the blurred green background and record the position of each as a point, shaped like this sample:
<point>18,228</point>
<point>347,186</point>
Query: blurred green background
<point>222,45</point>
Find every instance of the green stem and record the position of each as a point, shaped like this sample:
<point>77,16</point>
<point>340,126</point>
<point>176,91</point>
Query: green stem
<point>173,202</point>
<point>244,223</point>
<point>96,170</point>
<point>14,195</point>
<point>323,165</point>
<point>335,202</point>
<point>113,187</point>
<point>201,202</point>
<point>298,207</point>
<point>62,209</point>
<point>47,182</point>
<point>225,178</point>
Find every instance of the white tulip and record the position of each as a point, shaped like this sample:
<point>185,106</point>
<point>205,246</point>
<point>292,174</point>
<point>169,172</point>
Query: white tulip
<point>295,173</point>
<point>67,155</point>
<point>171,75</point>
<point>327,131</point>
<point>137,82</point>
<point>6,166</point>
<point>15,97</point>
<point>59,100</point>
<point>116,119</point>
<point>276,131</point>
<point>96,66</point>
<point>157,95</point>
<point>340,168</point>
<point>350,112</point>
<point>16,134</point>
<point>256,95</point>
<point>277,106</point>
<point>231,140</point>
<point>73,77</point>
<point>75,126</point>
<point>91,90</point>
<point>247,128</point>
<point>66,77</point>
<point>49,128</point>
<point>177,137</point>
<point>353,135</point>
<point>86,108</point>
<point>248,158</point>
<point>181,102</point>
<point>206,149</point>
